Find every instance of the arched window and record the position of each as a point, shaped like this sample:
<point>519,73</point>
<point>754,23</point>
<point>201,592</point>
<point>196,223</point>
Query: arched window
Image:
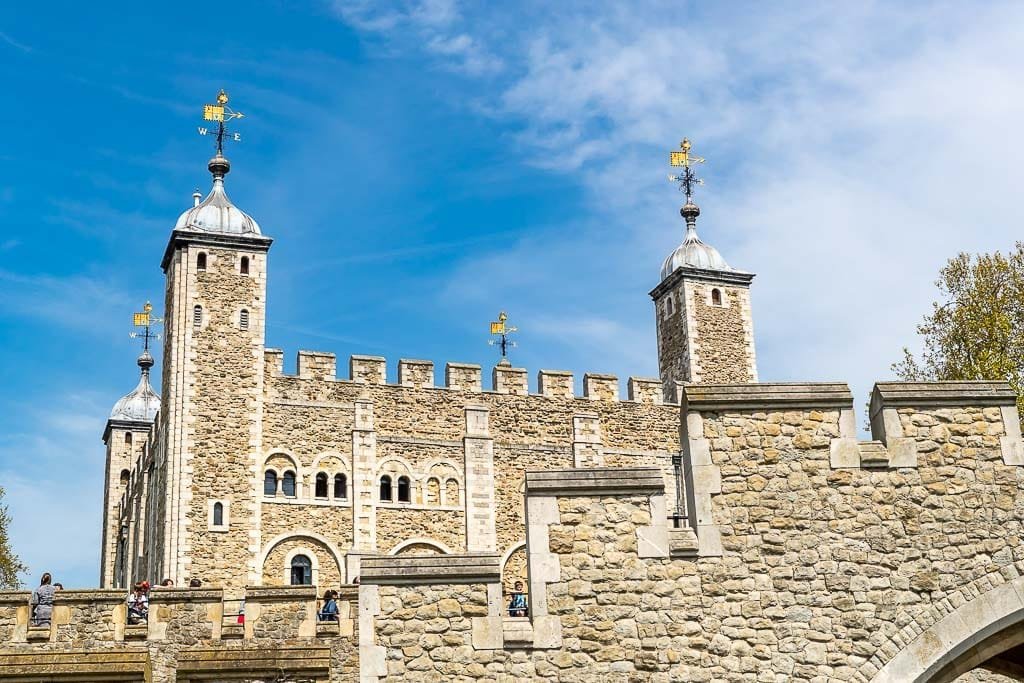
<point>668,305</point>
<point>716,297</point>
<point>201,261</point>
<point>243,319</point>
<point>125,476</point>
<point>218,514</point>
<point>197,316</point>
<point>404,492</point>
<point>321,485</point>
<point>288,484</point>
<point>243,266</point>
<point>385,488</point>
<point>433,491</point>
<point>127,438</point>
<point>302,571</point>
<point>451,492</point>
<point>270,483</point>
<point>340,487</point>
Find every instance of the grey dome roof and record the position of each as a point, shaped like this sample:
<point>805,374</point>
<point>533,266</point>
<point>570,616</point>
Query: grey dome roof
<point>693,252</point>
<point>142,404</point>
<point>216,213</point>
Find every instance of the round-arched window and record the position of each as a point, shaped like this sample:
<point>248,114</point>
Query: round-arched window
<point>321,485</point>
<point>270,483</point>
<point>404,494</point>
<point>302,571</point>
<point>340,487</point>
<point>288,484</point>
<point>385,488</point>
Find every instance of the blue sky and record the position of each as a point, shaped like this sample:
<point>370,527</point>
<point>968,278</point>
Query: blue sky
<point>423,165</point>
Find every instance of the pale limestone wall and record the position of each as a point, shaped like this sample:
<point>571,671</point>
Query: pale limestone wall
<point>825,572</point>
<point>723,341</point>
<point>277,566</point>
<point>395,525</point>
<point>227,387</point>
<point>673,337</point>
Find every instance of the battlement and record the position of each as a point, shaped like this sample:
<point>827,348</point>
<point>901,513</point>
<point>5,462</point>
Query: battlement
<point>463,377</point>
<point>89,635</point>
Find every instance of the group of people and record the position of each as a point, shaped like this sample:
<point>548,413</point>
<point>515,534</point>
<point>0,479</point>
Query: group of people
<point>41,602</point>
<point>138,599</point>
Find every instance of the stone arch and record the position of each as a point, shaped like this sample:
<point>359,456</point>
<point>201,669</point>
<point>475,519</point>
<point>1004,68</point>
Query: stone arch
<point>344,467</point>
<point>274,457</point>
<point>405,467</point>
<point>513,566</point>
<point>413,546</point>
<point>329,567</point>
<point>962,639</point>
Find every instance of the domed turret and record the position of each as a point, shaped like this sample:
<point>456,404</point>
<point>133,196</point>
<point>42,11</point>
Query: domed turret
<point>693,252</point>
<point>216,213</point>
<point>142,404</point>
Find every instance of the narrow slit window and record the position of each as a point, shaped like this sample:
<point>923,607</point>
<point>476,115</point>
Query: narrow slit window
<point>668,305</point>
<point>404,490</point>
<point>197,316</point>
<point>716,297</point>
<point>201,261</point>
<point>243,319</point>
<point>243,266</point>
<point>125,477</point>
<point>218,514</point>
<point>340,487</point>
<point>128,439</point>
<point>321,485</point>
<point>385,488</point>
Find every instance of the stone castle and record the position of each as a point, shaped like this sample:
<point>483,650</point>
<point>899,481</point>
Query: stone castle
<point>707,527</point>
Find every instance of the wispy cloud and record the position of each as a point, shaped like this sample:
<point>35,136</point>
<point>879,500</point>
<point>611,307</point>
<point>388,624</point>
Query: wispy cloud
<point>850,153</point>
<point>14,43</point>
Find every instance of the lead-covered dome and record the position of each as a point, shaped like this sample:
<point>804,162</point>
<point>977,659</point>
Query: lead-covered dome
<point>693,252</point>
<point>142,404</point>
<point>216,213</point>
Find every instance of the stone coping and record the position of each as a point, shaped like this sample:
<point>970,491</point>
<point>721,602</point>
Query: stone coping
<point>279,593</point>
<point>416,361</point>
<point>321,354</point>
<point>774,396</point>
<point>594,480</point>
<point>940,394</point>
<point>557,373</point>
<point>14,597</point>
<point>463,366</point>
<point>160,595</point>
<point>427,569</point>
<point>508,368</point>
<point>99,595</point>
<point>599,375</point>
<point>310,660</point>
<point>376,358</point>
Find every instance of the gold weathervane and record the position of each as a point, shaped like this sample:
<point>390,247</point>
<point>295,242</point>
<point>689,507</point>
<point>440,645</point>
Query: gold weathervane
<point>501,329</point>
<point>221,113</point>
<point>687,179</point>
<point>145,319</point>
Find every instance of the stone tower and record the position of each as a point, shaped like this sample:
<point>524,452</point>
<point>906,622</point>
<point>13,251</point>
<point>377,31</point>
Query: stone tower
<point>125,437</point>
<point>702,313</point>
<point>215,266</point>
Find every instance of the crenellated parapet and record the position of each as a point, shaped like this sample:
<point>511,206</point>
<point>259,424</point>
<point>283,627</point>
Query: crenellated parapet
<point>196,633</point>
<point>462,377</point>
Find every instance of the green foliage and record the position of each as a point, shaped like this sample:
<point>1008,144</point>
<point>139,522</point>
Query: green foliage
<point>10,565</point>
<point>977,330</point>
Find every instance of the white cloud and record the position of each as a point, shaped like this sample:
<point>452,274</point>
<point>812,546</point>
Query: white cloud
<point>850,153</point>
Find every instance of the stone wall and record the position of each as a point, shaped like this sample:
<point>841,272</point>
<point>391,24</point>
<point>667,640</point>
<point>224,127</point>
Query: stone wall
<point>188,636</point>
<point>809,566</point>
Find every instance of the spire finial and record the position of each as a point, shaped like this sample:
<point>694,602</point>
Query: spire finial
<point>197,197</point>
<point>687,181</point>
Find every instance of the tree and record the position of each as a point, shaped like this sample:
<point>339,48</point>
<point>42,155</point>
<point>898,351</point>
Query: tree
<point>977,330</point>
<point>10,565</point>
